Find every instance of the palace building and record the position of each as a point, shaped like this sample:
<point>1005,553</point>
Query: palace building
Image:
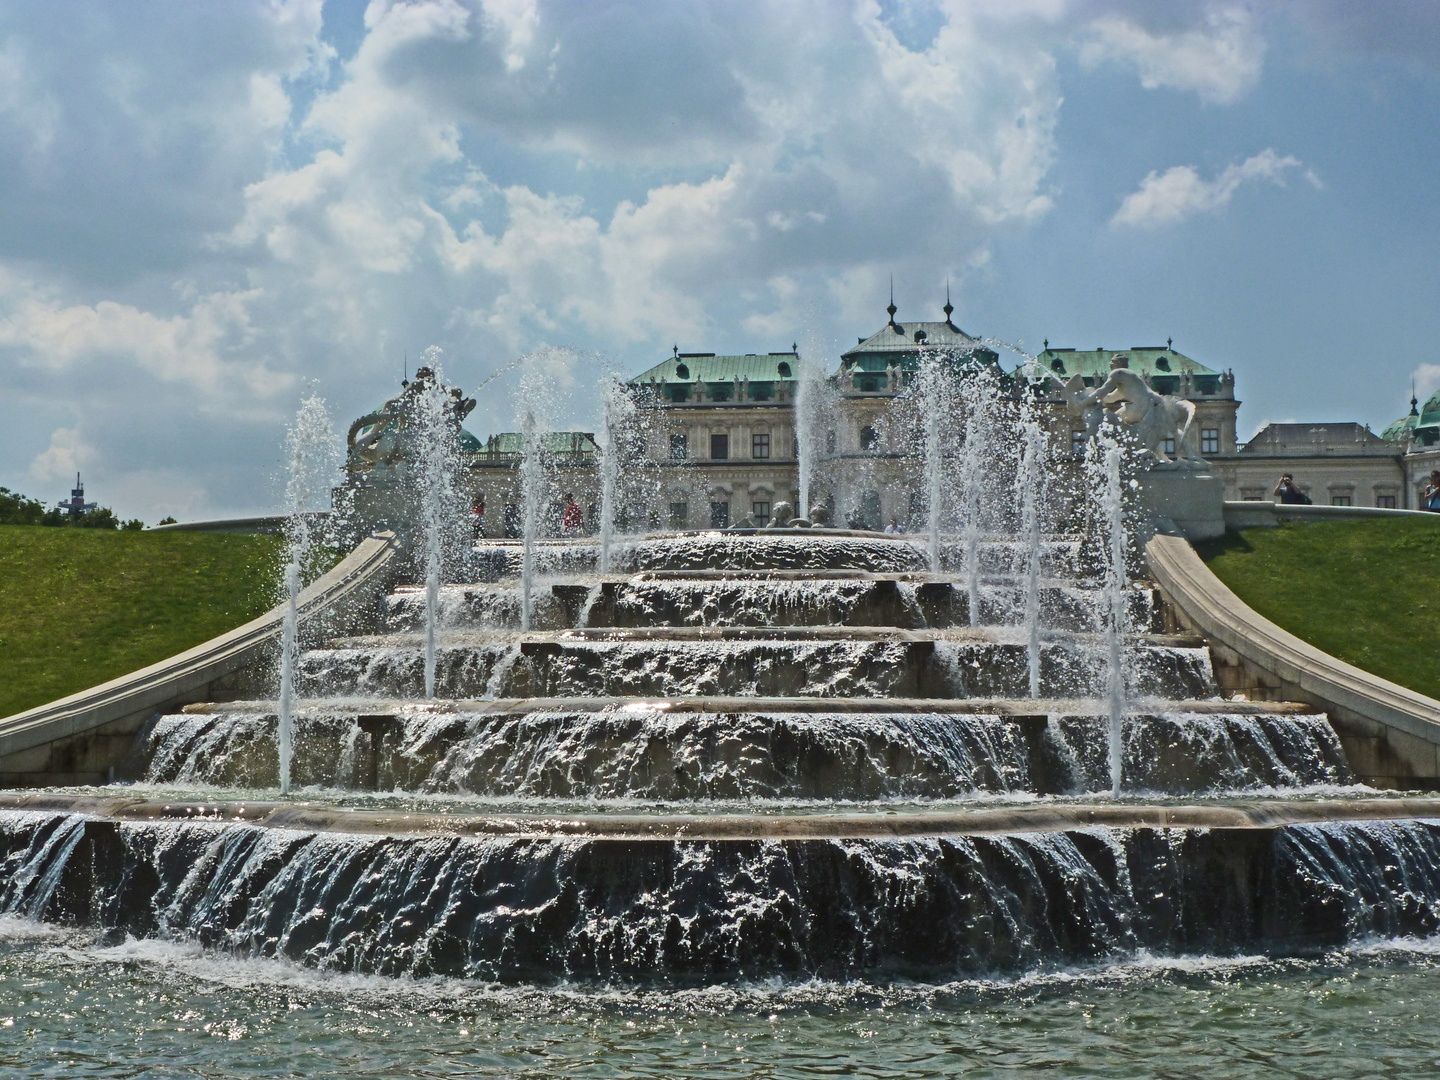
<point>718,437</point>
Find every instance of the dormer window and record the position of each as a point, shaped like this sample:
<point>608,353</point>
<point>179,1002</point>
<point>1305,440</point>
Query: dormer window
<point>1057,366</point>
<point>784,370</point>
<point>919,336</point>
<point>1163,363</point>
<point>682,371</point>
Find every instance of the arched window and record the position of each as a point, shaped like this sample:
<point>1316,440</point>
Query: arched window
<point>869,438</point>
<point>829,442</point>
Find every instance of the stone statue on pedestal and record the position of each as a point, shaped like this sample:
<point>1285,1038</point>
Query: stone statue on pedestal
<point>1153,417</point>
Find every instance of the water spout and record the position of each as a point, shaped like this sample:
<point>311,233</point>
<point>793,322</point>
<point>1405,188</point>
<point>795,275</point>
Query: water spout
<point>313,457</point>
<point>933,405</point>
<point>807,407</point>
<point>1106,455</point>
<point>437,498</point>
<point>972,482</point>
<point>1028,483</point>
<point>613,403</point>
<point>531,480</point>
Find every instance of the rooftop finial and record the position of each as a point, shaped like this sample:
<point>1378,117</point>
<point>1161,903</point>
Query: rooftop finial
<point>892,308</point>
<point>1413,401</point>
<point>949,308</point>
<point>1045,344</point>
<point>675,351</point>
<point>1170,343</point>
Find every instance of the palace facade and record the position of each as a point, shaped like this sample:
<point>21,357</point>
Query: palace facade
<point>715,440</point>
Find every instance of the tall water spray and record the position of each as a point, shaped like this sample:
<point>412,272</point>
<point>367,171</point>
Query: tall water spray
<point>532,480</point>
<point>313,461</point>
<point>616,407</point>
<point>1027,481</point>
<point>807,416</point>
<point>932,409</point>
<point>1105,462</point>
<point>437,432</point>
<point>972,485</point>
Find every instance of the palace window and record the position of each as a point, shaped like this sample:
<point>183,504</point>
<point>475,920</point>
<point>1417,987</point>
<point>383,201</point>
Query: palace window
<point>829,442</point>
<point>1169,446</point>
<point>762,391</point>
<point>760,445</point>
<point>720,391</point>
<point>1077,443</point>
<point>869,438</point>
<point>678,392</point>
<point>677,447</point>
<point>1339,500</point>
<point>760,511</point>
<point>719,448</point>
<point>1209,440</point>
<point>719,515</point>
<point>679,514</point>
<point>1385,502</point>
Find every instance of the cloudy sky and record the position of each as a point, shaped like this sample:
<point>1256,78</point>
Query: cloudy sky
<point>208,207</point>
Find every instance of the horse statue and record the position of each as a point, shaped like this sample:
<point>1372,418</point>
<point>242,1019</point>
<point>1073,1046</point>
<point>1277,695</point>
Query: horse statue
<point>1153,417</point>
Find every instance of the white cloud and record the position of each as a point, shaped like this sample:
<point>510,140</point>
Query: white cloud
<point>1427,380</point>
<point>1179,193</point>
<point>195,348</point>
<point>1220,60</point>
<point>66,455</point>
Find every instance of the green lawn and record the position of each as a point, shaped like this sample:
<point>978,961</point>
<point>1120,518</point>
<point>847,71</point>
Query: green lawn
<point>1366,591</point>
<point>81,606</point>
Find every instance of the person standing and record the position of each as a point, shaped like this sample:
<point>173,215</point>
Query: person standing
<point>1430,498</point>
<point>572,519</point>
<point>1288,493</point>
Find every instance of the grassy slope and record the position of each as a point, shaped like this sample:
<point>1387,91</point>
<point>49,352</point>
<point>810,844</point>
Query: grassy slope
<point>81,606</point>
<point>1365,591</point>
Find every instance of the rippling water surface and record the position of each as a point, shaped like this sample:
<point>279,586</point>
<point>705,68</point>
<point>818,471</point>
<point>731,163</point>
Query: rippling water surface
<point>71,1007</point>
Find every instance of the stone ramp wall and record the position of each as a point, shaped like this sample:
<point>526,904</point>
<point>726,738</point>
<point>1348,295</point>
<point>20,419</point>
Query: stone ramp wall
<point>82,738</point>
<point>1390,734</point>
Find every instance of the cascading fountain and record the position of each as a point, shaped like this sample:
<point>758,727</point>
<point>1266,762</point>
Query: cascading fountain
<point>736,770</point>
<point>313,460</point>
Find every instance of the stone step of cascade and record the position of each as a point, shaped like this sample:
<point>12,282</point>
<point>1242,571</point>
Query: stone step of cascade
<point>490,560</point>
<point>907,601</point>
<point>736,750</point>
<point>926,664</point>
<point>883,823</point>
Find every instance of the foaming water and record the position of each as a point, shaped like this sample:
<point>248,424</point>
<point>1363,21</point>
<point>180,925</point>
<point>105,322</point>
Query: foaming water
<point>72,1007</point>
<point>635,753</point>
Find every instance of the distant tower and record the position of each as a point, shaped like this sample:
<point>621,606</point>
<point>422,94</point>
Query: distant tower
<point>76,504</point>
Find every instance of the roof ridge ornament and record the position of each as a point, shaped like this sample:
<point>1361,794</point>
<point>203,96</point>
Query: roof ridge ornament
<point>949,308</point>
<point>892,308</point>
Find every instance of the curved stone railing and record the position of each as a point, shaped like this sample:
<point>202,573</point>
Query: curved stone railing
<point>1253,514</point>
<point>81,738</point>
<point>1391,734</point>
<point>270,523</point>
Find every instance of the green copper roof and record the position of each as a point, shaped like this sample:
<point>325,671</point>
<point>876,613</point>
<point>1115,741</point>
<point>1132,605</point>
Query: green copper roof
<point>1430,412</point>
<point>551,442</point>
<point>1146,360</point>
<point>1403,430</point>
<point>707,367</point>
